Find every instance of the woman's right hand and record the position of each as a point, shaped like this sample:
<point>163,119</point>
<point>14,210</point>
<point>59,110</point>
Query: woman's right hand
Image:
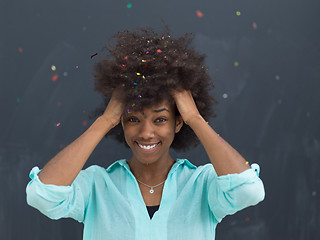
<point>114,109</point>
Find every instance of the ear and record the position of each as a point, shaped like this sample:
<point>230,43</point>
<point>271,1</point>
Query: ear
<point>179,124</point>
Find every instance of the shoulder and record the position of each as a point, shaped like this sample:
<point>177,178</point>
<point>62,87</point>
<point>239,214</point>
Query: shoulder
<point>201,170</point>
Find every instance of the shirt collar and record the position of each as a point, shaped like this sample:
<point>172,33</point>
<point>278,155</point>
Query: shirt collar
<point>123,163</point>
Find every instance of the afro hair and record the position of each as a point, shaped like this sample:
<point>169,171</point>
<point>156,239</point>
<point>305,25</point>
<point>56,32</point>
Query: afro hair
<point>146,65</point>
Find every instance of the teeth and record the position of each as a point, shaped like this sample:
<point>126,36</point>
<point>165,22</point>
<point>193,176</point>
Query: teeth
<point>147,147</point>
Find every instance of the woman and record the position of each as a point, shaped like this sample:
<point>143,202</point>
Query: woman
<point>159,100</point>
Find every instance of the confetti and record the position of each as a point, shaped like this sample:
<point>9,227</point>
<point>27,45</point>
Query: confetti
<point>129,5</point>
<point>55,78</point>
<point>94,55</point>
<point>199,14</point>
<point>139,96</point>
<point>238,13</point>
<point>159,51</point>
<point>58,124</point>
<point>20,49</point>
<point>53,68</point>
<point>84,123</point>
<point>254,25</point>
<point>236,63</point>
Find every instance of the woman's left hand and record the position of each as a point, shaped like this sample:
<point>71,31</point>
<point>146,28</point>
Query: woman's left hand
<point>185,104</point>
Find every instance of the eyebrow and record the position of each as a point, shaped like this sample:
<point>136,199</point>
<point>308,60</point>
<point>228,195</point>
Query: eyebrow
<point>157,111</point>
<point>160,110</point>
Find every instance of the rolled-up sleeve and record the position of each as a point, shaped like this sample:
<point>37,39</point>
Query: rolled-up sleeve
<point>60,201</point>
<point>230,193</point>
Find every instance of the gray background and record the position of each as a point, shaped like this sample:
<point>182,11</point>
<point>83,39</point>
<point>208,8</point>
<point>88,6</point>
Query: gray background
<point>268,105</point>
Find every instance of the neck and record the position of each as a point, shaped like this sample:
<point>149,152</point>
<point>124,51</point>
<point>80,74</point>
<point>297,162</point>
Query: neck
<point>153,173</point>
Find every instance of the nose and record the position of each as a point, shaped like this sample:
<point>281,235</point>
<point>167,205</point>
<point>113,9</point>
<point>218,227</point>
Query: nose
<point>146,130</point>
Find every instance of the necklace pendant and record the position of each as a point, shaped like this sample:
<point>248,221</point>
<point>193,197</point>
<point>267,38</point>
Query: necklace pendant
<point>151,190</point>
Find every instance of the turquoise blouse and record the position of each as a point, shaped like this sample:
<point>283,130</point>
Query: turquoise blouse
<point>110,205</point>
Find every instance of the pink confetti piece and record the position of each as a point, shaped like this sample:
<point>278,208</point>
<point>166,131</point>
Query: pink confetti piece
<point>199,14</point>
<point>254,25</point>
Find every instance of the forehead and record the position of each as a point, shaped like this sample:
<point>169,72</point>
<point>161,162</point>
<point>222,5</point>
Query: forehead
<point>163,107</point>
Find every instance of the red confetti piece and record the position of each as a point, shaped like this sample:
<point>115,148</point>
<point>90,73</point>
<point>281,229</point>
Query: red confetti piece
<point>20,49</point>
<point>146,65</point>
<point>125,57</point>
<point>58,124</point>
<point>247,219</point>
<point>55,78</point>
<point>94,55</point>
<point>199,14</point>
<point>254,25</point>
<point>84,123</point>
<point>123,65</point>
<point>159,51</point>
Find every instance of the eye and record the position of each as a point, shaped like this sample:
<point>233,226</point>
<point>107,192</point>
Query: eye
<point>129,119</point>
<point>132,119</point>
<point>163,119</point>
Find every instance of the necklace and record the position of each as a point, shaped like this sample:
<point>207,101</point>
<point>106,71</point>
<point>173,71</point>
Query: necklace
<point>151,190</point>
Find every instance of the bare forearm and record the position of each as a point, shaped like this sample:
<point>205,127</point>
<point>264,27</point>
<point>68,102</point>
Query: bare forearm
<point>66,165</point>
<point>224,158</point>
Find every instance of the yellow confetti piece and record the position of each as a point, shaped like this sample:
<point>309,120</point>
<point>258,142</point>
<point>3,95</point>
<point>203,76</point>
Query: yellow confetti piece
<point>236,63</point>
<point>238,13</point>
<point>138,74</point>
<point>53,68</point>
<point>143,60</point>
<point>247,163</point>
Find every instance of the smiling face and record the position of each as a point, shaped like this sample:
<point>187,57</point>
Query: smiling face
<point>150,133</point>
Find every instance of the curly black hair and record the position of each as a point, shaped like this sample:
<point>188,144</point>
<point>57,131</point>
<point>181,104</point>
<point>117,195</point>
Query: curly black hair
<point>146,65</point>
